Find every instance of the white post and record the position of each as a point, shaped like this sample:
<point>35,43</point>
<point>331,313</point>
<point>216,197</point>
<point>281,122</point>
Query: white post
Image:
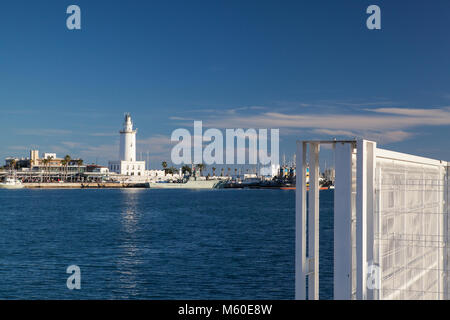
<point>365,173</point>
<point>300,223</point>
<point>343,221</point>
<point>313,222</point>
<point>445,249</point>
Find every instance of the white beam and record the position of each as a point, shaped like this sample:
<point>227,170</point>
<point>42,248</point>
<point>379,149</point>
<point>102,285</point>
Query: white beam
<point>300,223</point>
<point>445,225</point>
<point>313,221</point>
<point>365,173</point>
<point>343,221</point>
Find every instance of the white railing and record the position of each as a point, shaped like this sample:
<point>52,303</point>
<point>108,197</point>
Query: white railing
<point>390,223</point>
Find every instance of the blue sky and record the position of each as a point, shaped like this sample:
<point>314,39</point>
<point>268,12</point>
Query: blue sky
<point>310,68</point>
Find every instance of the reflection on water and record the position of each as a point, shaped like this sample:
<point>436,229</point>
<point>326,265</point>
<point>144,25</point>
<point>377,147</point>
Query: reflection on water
<point>129,259</point>
<point>130,210</point>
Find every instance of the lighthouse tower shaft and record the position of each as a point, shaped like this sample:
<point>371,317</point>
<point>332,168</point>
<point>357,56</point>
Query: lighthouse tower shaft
<point>127,151</point>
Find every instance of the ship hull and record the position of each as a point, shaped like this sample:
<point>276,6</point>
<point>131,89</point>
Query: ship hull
<point>11,186</point>
<point>204,184</point>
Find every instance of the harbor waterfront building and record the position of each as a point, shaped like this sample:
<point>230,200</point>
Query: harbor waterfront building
<point>49,162</point>
<point>127,164</point>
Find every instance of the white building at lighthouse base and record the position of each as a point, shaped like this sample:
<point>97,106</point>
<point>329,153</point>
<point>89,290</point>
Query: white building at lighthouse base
<point>127,168</point>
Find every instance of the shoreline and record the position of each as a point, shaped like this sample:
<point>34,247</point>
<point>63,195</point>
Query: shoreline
<point>82,185</point>
<point>142,185</point>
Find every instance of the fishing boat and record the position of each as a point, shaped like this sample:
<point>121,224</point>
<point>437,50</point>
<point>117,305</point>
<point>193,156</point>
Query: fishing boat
<point>11,183</point>
<point>191,183</point>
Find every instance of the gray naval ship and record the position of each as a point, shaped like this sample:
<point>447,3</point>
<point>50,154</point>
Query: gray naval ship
<point>190,183</point>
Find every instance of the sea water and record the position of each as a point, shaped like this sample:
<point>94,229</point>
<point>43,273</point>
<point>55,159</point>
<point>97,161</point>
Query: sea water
<point>155,244</point>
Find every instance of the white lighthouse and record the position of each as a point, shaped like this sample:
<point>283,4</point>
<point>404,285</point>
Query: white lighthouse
<point>127,150</point>
<point>127,164</point>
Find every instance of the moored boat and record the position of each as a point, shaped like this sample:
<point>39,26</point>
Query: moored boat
<point>189,184</point>
<point>11,183</point>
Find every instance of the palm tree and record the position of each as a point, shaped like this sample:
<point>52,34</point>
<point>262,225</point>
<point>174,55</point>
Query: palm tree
<point>235,171</point>
<point>171,170</point>
<point>79,164</point>
<point>221,172</point>
<point>44,162</point>
<point>12,164</point>
<point>185,169</point>
<point>64,163</point>
<point>49,164</point>
<point>164,165</point>
<point>229,169</point>
<point>214,171</point>
<point>67,158</point>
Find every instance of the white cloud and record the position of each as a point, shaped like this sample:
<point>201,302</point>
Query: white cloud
<point>379,136</point>
<point>71,144</point>
<point>384,124</point>
<point>43,132</point>
<point>103,134</point>
<point>374,121</point>
<point>19,148</point>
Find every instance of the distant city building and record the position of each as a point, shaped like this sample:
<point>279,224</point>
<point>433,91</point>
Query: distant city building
<point>96,168</point>
<point>159,175</point>
<point>18,162</point>
<point>34,155</point>
<point>127,164</point>
<point>270,171</point>
<point>50,162</point>
<point>49,155</point>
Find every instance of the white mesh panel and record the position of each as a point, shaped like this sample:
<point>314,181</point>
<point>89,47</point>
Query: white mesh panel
<point>409,234</point>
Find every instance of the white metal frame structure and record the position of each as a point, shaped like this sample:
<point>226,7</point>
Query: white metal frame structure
<point>390,223</point>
